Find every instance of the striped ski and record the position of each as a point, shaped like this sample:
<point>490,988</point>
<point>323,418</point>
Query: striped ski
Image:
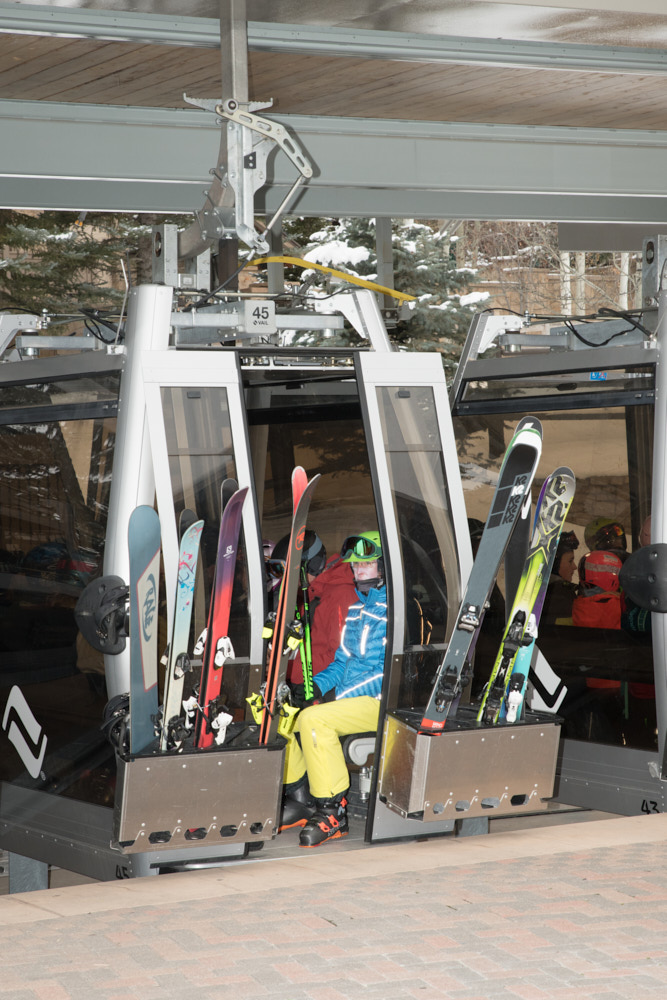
<point>218,648</point>
<point>143,537</point>
<point>178,662</point>
<point>503,695</point>
<point>302,492</point>
<point>514,482</point>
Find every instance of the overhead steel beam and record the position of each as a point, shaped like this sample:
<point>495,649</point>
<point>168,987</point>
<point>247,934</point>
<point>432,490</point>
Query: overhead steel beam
<point>330,41</point>
<point>146,159</point>
<point>600,7</point>
<point>602,237</point>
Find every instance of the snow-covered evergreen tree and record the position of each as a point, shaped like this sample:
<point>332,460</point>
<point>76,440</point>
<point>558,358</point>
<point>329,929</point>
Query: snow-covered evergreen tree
<point>424,266</point>
<point>62,261</point>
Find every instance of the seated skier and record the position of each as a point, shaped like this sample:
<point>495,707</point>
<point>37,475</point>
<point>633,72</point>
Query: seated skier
<point>561,592</point>
<point>606,534</point>
<point>600,601</point>
<point>313,559</point>
<point>330,595</point>
<point>330,592</point>
<point>316,776</point>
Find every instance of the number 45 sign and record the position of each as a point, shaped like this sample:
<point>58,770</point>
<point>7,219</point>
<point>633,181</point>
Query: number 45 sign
<point>260,316</point>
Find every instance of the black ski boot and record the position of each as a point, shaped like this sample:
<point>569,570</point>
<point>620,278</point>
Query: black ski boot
<point>328,822</point>
<point>298,805</point>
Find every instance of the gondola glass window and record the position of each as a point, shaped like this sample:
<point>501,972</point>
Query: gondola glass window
<point>56,451</point>
<point>428,549</point>
<point>606,665</point>
<point>201,457</point>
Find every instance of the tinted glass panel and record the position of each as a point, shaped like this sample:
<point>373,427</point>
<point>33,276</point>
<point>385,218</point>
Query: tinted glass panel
<point>430,562</point>
<point>54,492</point>
<point>571,383</point>
<point>85,390</point>
<point>295,425</point>
<point>600,648</point>
<point>201,457</point>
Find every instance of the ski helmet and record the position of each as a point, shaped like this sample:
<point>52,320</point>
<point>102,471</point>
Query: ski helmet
<point>268,546</point>
<point>313,554</point>
<point>364,548</point>
<point>605,533</point>
<point>601,569</point>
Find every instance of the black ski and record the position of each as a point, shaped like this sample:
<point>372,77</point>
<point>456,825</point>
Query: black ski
<point>505,690</point>
<point>217,645</point>
<point>514,482</point>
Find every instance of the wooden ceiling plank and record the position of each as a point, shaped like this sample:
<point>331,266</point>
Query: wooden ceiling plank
<point>34,60</point>
<point>162,88</point>
<point>83,72</point>
<point>93,71</point>
<point>120,78</point>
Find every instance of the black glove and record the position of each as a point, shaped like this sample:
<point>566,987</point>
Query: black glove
<point>299,699</point>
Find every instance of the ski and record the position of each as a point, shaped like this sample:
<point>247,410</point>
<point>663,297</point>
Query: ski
<point>504,693</point>
<point>514,482</point>
<point>217,645</point>
<point>178,663</point>
<point>144,546</point>
<point>283,627</point>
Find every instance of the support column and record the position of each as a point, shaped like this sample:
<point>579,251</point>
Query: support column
<point>26,874</point>
<point>579,283</point>
<point>659,525</point>
<point>476,827</point>
<point>234,50</point>
<point>385,259</point>
<point>225,262</point>
<point>565,283</point>
<point>276,272</point>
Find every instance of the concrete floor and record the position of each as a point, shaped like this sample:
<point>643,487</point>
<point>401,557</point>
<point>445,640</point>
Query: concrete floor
<point>560,910</point>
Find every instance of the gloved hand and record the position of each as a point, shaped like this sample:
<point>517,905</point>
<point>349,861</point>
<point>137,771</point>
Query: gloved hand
<point>299,699</point>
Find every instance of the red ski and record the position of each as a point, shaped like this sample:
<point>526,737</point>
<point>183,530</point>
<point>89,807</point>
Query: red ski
<point>217,646</point>
<point>302,492</point>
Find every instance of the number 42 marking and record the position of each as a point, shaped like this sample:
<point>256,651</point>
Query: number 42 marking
<point>649,806</point>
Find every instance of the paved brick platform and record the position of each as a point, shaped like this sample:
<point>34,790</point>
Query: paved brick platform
<point>574,912</point>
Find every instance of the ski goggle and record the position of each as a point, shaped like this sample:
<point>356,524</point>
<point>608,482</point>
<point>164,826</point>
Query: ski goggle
<point>362,548</point>
<point>610,532</point>
<point>275,568</point>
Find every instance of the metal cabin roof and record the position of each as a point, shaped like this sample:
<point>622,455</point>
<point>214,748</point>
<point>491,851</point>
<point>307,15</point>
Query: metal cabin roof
<point>439,108</point>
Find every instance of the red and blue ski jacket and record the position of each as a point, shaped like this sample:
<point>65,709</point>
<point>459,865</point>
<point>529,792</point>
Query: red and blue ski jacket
<point>358,665</point>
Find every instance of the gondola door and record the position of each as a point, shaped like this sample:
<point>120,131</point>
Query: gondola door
<point>425,538</point>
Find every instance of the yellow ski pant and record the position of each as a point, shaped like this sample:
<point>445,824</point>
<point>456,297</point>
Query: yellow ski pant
<point>321,753</point>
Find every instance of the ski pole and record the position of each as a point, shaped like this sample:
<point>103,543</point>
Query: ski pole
<point>306,650</point>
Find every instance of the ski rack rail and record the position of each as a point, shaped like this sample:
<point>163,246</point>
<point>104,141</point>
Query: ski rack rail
<point>468,771</point>
<point>197,799</point>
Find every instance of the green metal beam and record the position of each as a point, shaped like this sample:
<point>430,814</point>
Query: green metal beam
<point>327,41</point>
<point>132,159</point>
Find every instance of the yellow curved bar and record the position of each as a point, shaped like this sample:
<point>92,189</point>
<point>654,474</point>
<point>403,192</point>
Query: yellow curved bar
<point>351,278</point>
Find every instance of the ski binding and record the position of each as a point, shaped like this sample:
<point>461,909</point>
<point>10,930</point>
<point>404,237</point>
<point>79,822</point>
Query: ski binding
<point>200,643</point>
<point>514,698</point>
<point>469,619</point>
<point>224,651</point>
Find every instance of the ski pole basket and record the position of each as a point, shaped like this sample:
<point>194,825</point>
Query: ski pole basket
<point>468,770</point>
